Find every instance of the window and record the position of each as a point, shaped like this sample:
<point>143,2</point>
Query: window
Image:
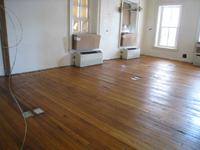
<point>168,26</point>
<point>199,35</point>
<point>198,31</point>
<point>129,18</point>
<point>84,18</point>
<point>80,17</point>
<point>129,21</point>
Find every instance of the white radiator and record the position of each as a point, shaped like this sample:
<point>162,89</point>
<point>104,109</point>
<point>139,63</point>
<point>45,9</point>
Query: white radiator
<point>129,53</point>
<point>83,59</point>
<point>196,60</point>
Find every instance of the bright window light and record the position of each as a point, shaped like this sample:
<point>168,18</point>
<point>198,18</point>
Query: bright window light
<point>199,37</point>
<point>168,26</point>
<point>80,16</point>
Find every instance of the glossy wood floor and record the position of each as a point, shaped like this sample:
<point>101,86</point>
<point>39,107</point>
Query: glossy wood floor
<point>101,108</point>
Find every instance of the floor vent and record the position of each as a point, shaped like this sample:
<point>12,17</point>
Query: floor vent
<point>38,111</point>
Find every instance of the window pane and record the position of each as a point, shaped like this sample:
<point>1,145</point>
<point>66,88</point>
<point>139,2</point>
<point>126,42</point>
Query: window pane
<point>76,25</point>
<point>75,11</point>
<point>164,36</point>
<point>166,17</point>
<point>84,26</point>
<point>199,37</point>
<point>172,37</point>
<point>83,12</point>
<point>75,1</point>
<point>175,17</point>
<point>84,2</point>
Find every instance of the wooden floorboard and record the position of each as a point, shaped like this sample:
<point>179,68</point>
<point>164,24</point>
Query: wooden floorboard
<point>101,107</point>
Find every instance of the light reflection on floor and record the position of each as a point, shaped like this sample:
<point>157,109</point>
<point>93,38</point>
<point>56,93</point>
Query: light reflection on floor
<point>162,80</point>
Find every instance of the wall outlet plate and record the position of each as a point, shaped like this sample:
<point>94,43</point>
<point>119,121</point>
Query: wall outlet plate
<point>184,55</point>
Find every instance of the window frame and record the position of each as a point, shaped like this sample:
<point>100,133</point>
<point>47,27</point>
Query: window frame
<point>158,22</point>
<point>197,42</point>
<point>198,31</point>
<point>81,19</point>
<point>137,2</point>
<point>93,25</point>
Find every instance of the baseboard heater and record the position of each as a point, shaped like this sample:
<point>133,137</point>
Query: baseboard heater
<point>196,60</point>
<point>83,59</point>
<point>129,53</point>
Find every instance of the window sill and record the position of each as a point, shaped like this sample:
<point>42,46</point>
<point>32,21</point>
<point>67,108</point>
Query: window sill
<point>165,48</point>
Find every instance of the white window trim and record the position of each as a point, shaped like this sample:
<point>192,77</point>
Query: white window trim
<point>198,31</point>
<point>70,18</point>
<point>197,36</point>
<point>156,27</point>
<point>160,28</point>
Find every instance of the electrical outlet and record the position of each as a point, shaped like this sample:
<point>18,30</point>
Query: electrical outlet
<point>184,55</point>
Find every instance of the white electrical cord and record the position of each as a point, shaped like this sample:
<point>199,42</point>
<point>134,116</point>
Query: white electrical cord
<point>17,43</point>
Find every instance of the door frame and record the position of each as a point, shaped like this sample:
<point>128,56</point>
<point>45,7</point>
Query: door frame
<point>121,18</point>
<point>4,40</point>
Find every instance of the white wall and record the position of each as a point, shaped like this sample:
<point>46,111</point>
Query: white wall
<point>188,30</point>
<point>141,23</point>
<point>45,24</point>
<point>44,43</point>
<point>110,39</point>
<point>1,62</point>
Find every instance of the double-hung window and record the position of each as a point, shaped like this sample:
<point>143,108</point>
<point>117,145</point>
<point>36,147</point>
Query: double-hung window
<point>168,23</point>
<point>80,16</point>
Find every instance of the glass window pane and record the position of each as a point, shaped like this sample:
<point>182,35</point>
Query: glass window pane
<point>75,1</point>
<point>84,26</point>
<point>175,17</point>
<point>166,16</point>
<point>164,36</point>
<point>172,37</point>
<point>76,25</point>
<point>199,37</point>
<point>84,2</point>
<point>75,11</point>
<point>83,12</point>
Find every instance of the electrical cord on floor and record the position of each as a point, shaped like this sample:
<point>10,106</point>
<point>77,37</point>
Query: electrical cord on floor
<point>17,43</point>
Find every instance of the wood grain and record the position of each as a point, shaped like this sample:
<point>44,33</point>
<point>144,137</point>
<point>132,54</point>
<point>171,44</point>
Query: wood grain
<point>4,40</point>
<point>100,107</point>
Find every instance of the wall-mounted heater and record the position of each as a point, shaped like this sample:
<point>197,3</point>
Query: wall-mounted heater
<point>129,53</point>
<point>196,60</point>
<point>83,59</point>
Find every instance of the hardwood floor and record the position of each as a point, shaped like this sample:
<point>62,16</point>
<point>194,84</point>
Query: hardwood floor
<point>101,107</point>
